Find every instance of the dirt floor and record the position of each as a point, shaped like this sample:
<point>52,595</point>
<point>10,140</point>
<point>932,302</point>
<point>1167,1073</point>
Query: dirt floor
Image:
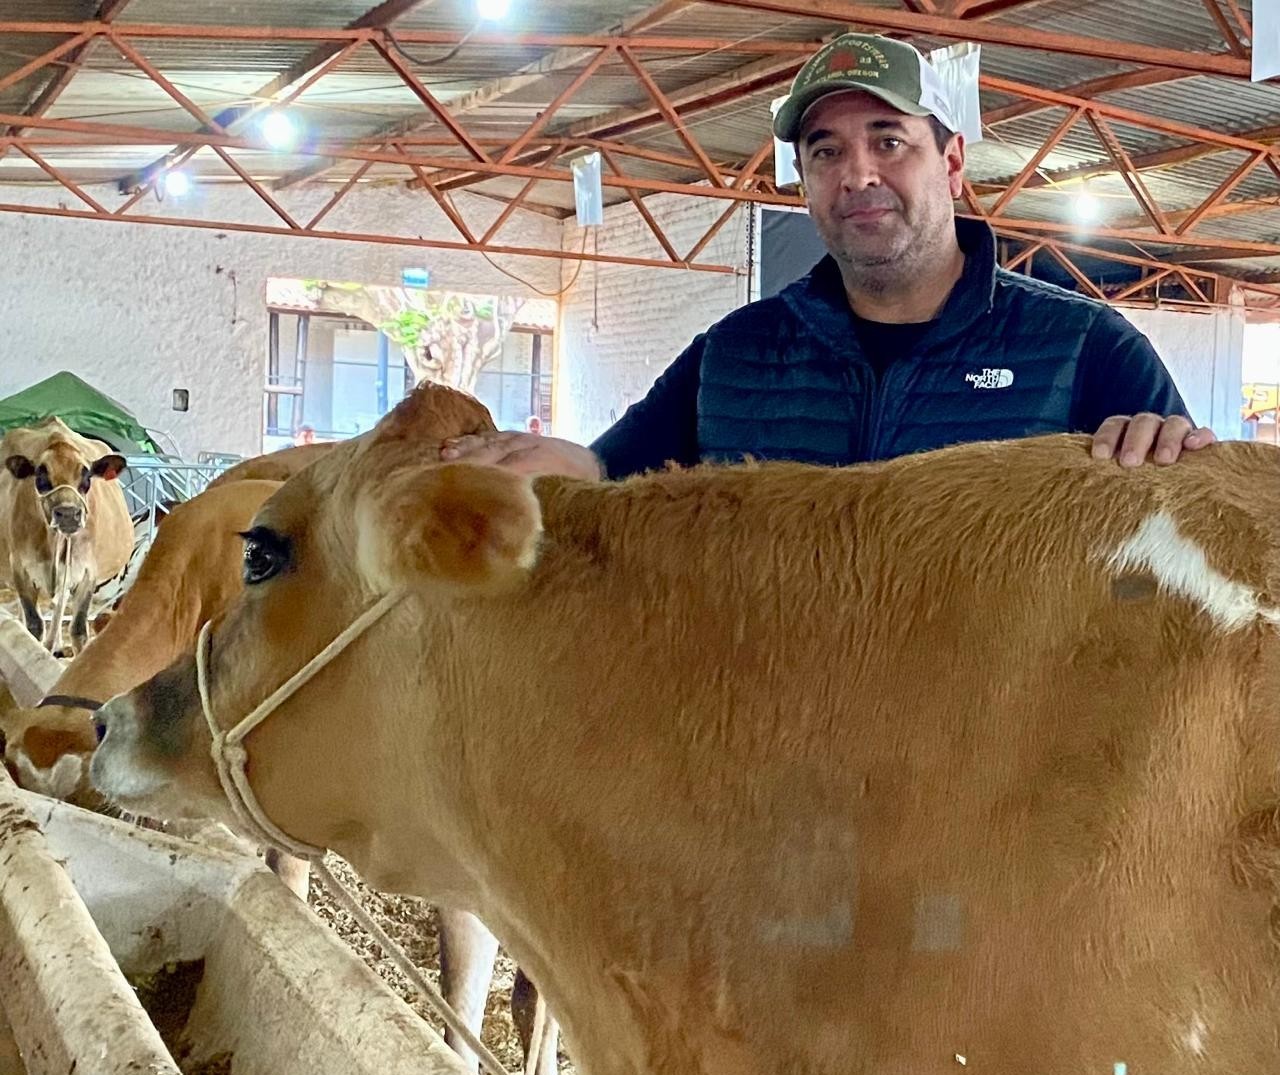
<point>412,924</point>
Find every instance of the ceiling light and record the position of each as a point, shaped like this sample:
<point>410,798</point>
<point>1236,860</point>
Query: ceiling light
<point>278,130</point>
<point>492,9</point>
<point>177,184</point>
<point>1088,207</point>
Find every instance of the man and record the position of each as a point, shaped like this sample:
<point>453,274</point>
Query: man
<point>906,337</point>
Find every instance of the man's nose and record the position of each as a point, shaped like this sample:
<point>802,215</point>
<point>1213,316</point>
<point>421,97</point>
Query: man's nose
<point>859,171</point>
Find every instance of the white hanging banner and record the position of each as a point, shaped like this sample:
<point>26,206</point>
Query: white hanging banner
<point>588,191</point>
<point>784,154</point>
<point>957,66</point>
<point>1266,39</point>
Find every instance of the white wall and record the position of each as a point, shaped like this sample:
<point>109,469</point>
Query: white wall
<point>1204,353</point>
<point>621,326</point>
<point>138,310</point>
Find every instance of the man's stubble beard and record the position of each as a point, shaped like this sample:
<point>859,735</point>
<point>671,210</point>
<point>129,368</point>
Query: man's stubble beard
<point>883,273</point>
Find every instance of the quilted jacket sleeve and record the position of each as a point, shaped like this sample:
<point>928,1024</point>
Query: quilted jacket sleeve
<point>1120,373</point>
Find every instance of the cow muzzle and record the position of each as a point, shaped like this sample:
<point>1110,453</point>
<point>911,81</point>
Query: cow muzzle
<point>119,769</point>
<point>65,509</point>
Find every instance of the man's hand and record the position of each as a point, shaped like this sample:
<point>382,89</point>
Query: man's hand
<point>525,453</point>
<point>1133,439</point>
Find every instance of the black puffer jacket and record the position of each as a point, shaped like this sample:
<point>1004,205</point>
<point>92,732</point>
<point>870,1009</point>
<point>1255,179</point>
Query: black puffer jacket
<point>785,378</point>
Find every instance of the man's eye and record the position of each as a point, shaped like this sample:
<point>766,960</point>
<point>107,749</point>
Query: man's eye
<point>891,142</point>
<point>262,560</point>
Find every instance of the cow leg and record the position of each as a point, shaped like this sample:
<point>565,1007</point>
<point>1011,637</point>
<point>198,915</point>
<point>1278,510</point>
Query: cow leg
<point>294,872</point>
<point>467,953</point>
<point>80,601</point>
<point>524,1008</point>
<point>30,600</point>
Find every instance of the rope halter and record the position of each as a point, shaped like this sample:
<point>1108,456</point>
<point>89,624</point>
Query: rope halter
<point>229,755</point>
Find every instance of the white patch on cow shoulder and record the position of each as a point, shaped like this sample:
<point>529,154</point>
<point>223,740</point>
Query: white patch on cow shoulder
<point>59,781</point>
<point>1195,1035</point>
<point>1180,567</point>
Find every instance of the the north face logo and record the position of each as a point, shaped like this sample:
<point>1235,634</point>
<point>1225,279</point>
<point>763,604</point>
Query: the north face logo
<point>990,379</point>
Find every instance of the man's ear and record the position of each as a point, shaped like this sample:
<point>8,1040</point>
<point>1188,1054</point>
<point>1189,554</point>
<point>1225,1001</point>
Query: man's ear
<point>108,467</point>
<point>954,154</point>
<point>19,466</point>
<point>474,527</point>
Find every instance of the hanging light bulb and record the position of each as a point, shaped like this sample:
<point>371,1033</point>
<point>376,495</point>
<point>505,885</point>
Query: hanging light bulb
<point>278,130</point>
<point>177,184</point>
<point>492,9</point>
<point>1088,206</point>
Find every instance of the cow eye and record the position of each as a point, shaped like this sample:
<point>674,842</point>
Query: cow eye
<point>43,484</point>
<point>85,477</point>
<point>266,554</point>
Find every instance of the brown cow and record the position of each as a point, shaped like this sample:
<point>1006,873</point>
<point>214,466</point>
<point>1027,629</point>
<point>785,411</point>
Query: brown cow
<point>64,525</point>
<point>274,466</point>
<point>970,758</point>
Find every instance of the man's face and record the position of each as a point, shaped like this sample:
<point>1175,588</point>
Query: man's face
<point>879,190</point>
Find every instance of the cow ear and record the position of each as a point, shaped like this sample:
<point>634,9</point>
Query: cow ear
<point>109,467</point>
<point>474,527</point>
<point>20,466</point>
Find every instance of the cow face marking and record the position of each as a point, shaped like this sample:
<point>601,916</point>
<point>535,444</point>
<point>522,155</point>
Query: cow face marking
<point>1179,567</point>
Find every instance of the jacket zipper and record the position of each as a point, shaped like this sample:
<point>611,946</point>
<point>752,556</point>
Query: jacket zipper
<point>865,378</point>
<point>878,394</point>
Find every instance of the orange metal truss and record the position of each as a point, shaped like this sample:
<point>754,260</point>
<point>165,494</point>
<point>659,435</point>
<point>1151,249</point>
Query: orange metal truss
<point>439,155</point>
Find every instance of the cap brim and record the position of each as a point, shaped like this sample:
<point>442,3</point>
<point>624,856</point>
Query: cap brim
<point>790,117</point>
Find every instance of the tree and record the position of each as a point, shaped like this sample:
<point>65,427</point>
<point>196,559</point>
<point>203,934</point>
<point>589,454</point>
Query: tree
<point>446,336</point>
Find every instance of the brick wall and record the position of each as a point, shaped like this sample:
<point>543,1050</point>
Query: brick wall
<point>621,326</point>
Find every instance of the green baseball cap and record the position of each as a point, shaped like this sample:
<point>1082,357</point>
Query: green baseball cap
<point>891,70</point>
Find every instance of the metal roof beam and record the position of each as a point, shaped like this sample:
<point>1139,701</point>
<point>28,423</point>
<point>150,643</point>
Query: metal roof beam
<point>497,89</point>
<point>381,16</point>
<point>43,100</point>
<point>991,32</point>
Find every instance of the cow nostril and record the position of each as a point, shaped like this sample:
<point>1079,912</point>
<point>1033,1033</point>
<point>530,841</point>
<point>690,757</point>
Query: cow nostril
<point>99,728</point>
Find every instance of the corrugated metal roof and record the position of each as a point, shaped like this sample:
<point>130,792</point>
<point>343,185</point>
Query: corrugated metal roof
<point>364,96</point>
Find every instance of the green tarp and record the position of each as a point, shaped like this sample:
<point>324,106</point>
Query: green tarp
<point>83,408</point>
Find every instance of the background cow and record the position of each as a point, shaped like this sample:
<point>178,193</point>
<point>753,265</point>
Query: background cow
<point>964,759</point>
<point>64,525</point>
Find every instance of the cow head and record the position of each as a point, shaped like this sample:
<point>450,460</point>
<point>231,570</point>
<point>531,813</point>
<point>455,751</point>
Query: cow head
<point>378,515</point>
<point>62,477</point>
